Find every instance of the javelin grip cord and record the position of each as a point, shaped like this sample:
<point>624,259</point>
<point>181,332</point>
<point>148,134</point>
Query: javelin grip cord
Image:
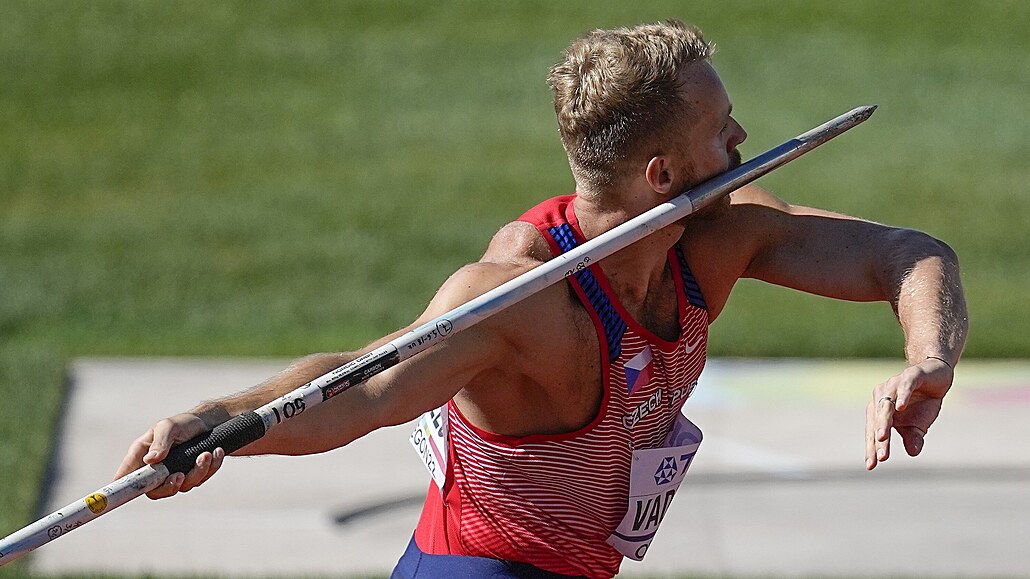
<point>249,427</point>
<point>230,436</point>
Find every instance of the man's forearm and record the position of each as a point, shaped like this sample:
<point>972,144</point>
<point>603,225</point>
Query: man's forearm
<point>302,371</point>
<point>929,300</point>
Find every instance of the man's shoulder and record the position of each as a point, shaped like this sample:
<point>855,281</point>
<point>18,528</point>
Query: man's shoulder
<point>719,243</point>
<point>743,216</point>
<point>514,250</point>
<point>517,243</point>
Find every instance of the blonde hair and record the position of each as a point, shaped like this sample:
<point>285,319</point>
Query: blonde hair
<point>616,90</point>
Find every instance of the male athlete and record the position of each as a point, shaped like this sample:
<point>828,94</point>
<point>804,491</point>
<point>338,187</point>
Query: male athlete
<point>548,406</point>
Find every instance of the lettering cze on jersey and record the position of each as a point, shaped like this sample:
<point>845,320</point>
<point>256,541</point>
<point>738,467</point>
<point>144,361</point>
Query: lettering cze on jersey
<point>646,407</point>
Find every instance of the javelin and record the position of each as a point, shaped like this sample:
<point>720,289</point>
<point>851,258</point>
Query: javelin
<point>241,430</point>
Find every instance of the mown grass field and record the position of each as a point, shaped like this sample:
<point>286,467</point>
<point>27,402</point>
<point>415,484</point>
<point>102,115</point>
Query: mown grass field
<point>270,179</point>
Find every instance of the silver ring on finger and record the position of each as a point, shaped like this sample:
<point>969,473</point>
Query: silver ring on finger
<point>887,398</point>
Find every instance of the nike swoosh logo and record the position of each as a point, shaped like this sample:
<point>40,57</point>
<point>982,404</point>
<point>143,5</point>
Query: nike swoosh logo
<point>689,347</point>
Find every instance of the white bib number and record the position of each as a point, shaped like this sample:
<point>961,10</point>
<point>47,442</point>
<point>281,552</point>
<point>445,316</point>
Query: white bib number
<point>430,441</point>
<point>655,475</point>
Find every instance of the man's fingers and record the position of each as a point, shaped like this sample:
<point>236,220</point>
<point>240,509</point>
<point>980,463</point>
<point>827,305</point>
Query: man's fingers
<point>913,437</point>
<point>908,402</point>
<point>879,420</point>
<point>931,377</point>
<point>903,394</point>
<point>134,456</point>
<point>152,448</point>
<point>199,473</point>
<point>884,418</point>
<point>169,487</point>
<point>884,422</point>
<point>218,455</point>
<point>870,436</point>
<point>206,466</point>
<point>162,442</point>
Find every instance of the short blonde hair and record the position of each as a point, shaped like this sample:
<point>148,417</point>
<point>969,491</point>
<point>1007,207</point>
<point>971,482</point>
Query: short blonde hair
<point>616,91</point>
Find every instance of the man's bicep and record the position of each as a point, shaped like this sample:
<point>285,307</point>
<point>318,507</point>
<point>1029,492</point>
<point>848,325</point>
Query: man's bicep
<point>464,285</point>
<point>818,251</point>
<point>427,380</point>
<point>406,390</point>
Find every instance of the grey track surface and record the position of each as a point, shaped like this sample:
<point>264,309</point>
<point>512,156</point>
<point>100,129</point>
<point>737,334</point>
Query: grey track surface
<point>778,487</point>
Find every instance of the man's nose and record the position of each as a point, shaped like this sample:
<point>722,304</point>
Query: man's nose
<point>738,136</point>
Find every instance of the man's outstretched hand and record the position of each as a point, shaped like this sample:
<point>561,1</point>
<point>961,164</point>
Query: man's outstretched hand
<point>909,403</point>
<point>153,447</point>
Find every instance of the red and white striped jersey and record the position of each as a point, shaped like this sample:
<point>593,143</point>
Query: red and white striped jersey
<point>553,500</point>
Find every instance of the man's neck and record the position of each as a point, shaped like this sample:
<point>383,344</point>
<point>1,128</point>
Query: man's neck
<point>634,270</point>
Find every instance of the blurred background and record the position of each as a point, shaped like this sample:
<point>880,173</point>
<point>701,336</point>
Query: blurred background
<point>272,179</point>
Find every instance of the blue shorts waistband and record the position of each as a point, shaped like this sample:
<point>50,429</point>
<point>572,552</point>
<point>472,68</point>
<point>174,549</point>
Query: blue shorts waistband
<point>414,564</point>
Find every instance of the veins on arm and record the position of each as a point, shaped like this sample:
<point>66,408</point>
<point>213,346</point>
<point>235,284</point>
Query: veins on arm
<point>392,397</point>
<point>847,258</point>
<point>928,299</point>
<point>403,392</point>
<point>301,371</point>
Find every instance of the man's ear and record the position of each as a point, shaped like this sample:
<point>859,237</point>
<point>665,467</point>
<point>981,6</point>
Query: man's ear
<point>660,175</point>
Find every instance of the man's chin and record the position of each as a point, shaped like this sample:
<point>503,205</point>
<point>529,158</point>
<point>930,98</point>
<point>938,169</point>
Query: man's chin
<point>735,160</point>
<point>718,207</point>
<point>713,211</point>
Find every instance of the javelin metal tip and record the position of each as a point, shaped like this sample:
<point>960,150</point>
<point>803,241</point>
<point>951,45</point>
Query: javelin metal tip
<point>867,111</point>
<point>834,127</point>
<point>857,114</point>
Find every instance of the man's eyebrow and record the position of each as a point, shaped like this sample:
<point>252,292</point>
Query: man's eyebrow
<point>730,111</point>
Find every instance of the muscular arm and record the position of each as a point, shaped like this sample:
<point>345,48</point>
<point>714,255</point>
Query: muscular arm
<point>391,397</point>
<point>846,258</point>
<point>762,237</point>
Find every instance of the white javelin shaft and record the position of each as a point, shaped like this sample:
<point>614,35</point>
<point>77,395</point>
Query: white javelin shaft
<point>248,427</point>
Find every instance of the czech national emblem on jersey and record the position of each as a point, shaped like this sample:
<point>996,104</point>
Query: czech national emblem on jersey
<point>639,369</point>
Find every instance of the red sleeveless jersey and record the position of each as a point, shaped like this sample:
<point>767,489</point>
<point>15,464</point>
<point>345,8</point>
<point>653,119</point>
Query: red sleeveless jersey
<point>553,500</point>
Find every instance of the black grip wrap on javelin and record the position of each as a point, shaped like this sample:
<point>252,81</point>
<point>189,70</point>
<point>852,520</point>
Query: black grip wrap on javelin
<point>230,436</point>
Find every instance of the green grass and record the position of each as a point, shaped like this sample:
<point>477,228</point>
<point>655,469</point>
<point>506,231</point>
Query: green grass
<point>268,179</point>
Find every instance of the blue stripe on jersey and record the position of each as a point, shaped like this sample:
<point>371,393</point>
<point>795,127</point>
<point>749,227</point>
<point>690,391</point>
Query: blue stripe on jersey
<point>690,286</point>
<point>614,326</point>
